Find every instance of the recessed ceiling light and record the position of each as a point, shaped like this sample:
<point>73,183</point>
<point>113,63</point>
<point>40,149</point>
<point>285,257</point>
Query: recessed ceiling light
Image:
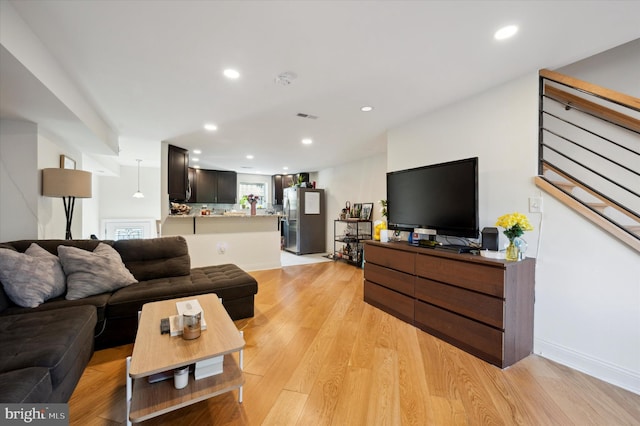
<point>195,159</point>
<point>249,157</point>
<point>366,108</point>
<point>231,74</point>
<point>197,151</point>
<point>506,32</point>
<point>285,168</point>
<point>210,127</point>
<point>307,141</point>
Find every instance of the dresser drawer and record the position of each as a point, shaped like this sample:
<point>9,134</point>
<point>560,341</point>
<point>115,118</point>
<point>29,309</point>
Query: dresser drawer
<point>390,278</point>
<point>394,259</point>
<point>481,278</point>
<point>486,309</point>
<point>474,337</point>
<point>394,303</point>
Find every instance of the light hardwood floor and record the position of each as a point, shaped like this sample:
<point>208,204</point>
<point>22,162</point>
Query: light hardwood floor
<point>317,354</point>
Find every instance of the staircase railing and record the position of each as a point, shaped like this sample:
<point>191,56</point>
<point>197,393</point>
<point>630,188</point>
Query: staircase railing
<point>589,152</point>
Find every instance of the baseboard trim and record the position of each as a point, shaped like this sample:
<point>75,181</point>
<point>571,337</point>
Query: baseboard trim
<point>610,373</point>
<point>259,266</point>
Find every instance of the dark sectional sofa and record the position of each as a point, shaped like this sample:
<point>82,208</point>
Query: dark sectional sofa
<point>45,349</point>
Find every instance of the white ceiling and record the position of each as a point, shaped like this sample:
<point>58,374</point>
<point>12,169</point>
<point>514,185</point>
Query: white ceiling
<point>153,69</point>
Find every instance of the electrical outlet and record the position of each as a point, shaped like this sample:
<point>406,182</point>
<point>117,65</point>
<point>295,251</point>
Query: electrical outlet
<point>535,204</point>
<point>222,248</point>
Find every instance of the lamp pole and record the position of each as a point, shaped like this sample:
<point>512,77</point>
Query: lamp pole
<point>69,204</point>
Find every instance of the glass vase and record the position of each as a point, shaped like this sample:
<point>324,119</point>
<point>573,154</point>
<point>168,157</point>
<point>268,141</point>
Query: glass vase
<point>512,252</point>
<point>253,209</point>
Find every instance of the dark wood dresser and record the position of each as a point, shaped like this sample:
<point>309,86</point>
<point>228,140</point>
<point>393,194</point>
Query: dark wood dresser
<point>483,306</point>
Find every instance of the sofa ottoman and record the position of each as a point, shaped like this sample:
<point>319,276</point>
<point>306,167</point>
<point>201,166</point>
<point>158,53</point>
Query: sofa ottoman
<point>236,288</point>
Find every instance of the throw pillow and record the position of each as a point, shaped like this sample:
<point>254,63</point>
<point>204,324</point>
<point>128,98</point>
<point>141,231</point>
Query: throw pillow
<point>89,273</point>
<point>29,280</point>
<point>59,280</point>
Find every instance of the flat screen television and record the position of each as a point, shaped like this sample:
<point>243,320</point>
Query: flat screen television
<point>442,197</point>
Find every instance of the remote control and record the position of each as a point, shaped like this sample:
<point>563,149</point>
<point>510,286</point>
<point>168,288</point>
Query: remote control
<point>164,326</point>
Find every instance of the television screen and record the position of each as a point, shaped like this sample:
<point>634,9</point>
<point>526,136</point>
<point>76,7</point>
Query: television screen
<point>442,197</point>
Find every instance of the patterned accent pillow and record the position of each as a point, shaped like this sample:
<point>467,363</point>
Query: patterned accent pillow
<point>89,273</point>
<point>31,278</point>
<point>59,279</point>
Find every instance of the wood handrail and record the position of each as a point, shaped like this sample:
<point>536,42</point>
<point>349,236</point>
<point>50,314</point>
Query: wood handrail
<point>611,95</point>
<point>598,110</point>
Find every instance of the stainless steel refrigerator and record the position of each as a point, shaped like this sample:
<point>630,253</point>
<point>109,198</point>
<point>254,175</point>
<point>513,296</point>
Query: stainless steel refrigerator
<point>304,223</point>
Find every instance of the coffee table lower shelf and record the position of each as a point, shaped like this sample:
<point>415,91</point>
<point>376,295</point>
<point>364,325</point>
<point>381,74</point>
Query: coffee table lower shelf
<point>149,400</point>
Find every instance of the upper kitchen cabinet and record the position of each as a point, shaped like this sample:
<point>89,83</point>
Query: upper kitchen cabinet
<point>227,187</point>
<point>302,178</point>
<point>178,174</point>
<point>215,186</point>
<point>206,186</point>
<point>279,183</point>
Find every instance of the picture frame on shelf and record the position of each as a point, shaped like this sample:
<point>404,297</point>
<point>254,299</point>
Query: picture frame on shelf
<point>67,162</point>
<point>367,208</point>
<point>356,210</point>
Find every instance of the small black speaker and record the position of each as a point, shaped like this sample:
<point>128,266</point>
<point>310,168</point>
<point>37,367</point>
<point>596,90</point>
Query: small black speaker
<point>490,239</point>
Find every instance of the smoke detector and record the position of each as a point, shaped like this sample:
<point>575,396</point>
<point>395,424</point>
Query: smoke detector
<point>285,78</point>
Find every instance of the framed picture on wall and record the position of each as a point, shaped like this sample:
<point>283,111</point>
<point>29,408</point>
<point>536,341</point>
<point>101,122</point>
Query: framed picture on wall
<point>366,211</point>
<point>67,162</point>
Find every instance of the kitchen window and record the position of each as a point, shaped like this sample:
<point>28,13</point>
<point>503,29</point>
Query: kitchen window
<point>255,188</point>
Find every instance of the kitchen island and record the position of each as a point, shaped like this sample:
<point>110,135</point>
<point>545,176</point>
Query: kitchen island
<point>251,242</point>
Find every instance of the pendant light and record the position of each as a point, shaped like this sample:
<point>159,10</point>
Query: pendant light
<point>138,194</point>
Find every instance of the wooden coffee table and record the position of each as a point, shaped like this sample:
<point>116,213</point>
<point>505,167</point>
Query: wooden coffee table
<point>155,353</point>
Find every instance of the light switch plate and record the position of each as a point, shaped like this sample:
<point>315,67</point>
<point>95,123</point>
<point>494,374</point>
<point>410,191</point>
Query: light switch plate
<point>535,204</point>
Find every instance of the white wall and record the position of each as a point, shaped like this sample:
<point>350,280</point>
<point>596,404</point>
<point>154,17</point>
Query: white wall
<point>614,69</point>
<point>503,137</point>
<point>116,195</point>
<point>587,312</point>
<point>19,180</point>
<point>600,331</point>
<point>24,212</point>
<point>91,206</point>
<point>362,181</point>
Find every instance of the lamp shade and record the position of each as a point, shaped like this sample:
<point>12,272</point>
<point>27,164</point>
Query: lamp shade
<point>66,183</point>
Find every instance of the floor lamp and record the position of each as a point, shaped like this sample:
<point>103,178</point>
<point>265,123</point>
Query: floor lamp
<point>67,184</point>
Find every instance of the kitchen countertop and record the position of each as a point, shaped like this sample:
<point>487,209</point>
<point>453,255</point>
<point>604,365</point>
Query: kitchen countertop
<point>185,216</point>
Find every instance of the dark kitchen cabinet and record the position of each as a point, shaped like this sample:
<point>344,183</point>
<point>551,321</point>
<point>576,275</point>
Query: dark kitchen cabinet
<point>301,177</point>
<point>206,186</point>
<point>227,187</point>
<point>278,188</point>
<point>215,186</point>
<point>280,182</point>
<point>178,175</point>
